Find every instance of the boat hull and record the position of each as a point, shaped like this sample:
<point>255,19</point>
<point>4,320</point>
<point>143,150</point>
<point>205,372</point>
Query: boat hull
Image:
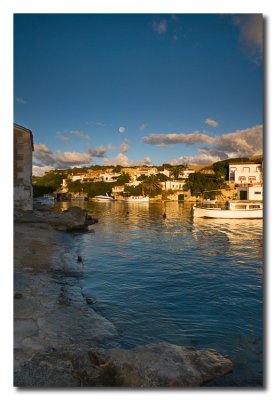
<point>103,198</point>
<point>137,200</point>
<point>227,214</point>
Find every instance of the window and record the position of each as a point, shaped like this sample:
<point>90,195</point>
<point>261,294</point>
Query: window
<point>252,178</point>
<point>240,206</point>
<point>242,178</point>
<point>246,169</point>
<point>254,206</point>
<point>257,192</point>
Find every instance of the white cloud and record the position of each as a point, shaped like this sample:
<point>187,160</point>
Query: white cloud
<point>122,129</point>
<point>124,146</point>
<point>80,134</point>
<point>160,26</point>
<point>146,161</point>
<point>63,138</point>
<point>241,143</point>
<point>177,138</point>
<point>40,171</point>
<point>205,156</point>
<point>142,126</point>
<point>41,147</point>
<point>120,159</point>
<point>251,34</point>
<point>20,100</point>
<point>97,152</point>
<point>44,157</point>
<point>211,122</point>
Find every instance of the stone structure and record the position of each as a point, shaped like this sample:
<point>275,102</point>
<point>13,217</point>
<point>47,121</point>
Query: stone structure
<point>23,148</point>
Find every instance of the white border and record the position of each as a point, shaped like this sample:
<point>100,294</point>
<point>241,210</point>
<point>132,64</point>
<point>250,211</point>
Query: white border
<point>6,111</point>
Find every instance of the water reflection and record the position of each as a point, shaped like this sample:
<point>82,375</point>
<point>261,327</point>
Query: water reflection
<point>176,279</point>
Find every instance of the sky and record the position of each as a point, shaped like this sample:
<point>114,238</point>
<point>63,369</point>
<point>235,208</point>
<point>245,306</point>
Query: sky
<point>139,89</point>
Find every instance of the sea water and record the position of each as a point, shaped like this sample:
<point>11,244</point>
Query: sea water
<point>172,278</point>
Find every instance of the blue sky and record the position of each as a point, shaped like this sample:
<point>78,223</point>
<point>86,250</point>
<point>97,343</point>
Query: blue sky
<point>136,89</point>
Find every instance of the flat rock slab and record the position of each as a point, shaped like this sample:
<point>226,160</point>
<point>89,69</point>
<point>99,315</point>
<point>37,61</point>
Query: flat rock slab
<point>159,365</point>
<point>72,219</point>
<point>151,366</point>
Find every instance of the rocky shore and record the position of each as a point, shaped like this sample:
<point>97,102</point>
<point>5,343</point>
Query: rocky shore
<point>60,341</point>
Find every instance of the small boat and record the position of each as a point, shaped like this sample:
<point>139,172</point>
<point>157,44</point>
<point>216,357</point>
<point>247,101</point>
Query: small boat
<point>137,199</point>
<point>231,210</point>
<point>108,197</point>
<point>79,198</point>
<point>46,199</point>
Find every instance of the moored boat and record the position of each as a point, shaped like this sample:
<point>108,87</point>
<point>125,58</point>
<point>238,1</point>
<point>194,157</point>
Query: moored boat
<point>107,197</point>
<point>46,199</point>
<point>137,199</point>
<point>232,210</point>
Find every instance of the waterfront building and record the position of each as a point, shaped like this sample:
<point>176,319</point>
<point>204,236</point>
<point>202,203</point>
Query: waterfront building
<point>22,160</point>
<point>250,193</point>
<point>245,173</point>
<point>173,185</point>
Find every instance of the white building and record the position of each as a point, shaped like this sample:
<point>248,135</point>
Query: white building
<point>245,173</point>
<point>146,171</point>
<point>185,174</point>
<point>173,185</point>
<point>118,189</point>
<point>109,177</point>
<point>77,177</point>
<point>133,183</point>
<point>250,193</point>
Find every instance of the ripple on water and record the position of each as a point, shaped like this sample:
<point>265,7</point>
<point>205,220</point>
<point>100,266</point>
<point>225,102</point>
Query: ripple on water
<point>178,280</point>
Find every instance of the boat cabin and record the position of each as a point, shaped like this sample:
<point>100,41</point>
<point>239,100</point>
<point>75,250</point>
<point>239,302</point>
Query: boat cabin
<point>244,205</point>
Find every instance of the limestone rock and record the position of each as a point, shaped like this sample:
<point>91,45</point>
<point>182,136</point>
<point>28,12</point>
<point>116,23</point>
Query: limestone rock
<point>159,365</point>
<point>75,218</point>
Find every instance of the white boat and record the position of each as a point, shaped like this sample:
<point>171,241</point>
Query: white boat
<point>107,197</point>
<point>47,200</point>
<point>137,199</point>
<point>231,210</point>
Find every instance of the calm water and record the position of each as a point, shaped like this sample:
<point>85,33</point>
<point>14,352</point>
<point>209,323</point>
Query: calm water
<point>184,281</point>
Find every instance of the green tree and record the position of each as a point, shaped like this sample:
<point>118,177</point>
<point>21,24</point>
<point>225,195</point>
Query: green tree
<point>124,178</point>
<point>117,168</point>
<point>176,170</point>
<point>199,183</point>
<point>151,185</point>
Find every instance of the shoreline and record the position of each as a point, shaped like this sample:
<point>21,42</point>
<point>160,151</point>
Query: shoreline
<point>58,336</point>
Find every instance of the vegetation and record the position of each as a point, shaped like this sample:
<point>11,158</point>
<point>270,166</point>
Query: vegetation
<point>150,185</point>
<point>91,189</point>
<point>198,183</point>
<point>177,170</point>
<point>48,183</point>
<point>124,178</point>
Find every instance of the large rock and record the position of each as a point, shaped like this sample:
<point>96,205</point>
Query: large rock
<point>159,365</point>
<point>150,366</point>
<point>72,219</point>
<point>75,218</point>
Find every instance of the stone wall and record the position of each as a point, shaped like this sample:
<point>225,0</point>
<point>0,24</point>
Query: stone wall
<point>23,148</point>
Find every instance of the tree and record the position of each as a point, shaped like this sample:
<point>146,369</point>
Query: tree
<point>177,169</point>
<point>123,178</point>
<point>151,185</point>
<point>199,183</point>
<point>117,168</point>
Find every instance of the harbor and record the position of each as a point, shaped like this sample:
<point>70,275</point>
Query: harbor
<point>139,200</point>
